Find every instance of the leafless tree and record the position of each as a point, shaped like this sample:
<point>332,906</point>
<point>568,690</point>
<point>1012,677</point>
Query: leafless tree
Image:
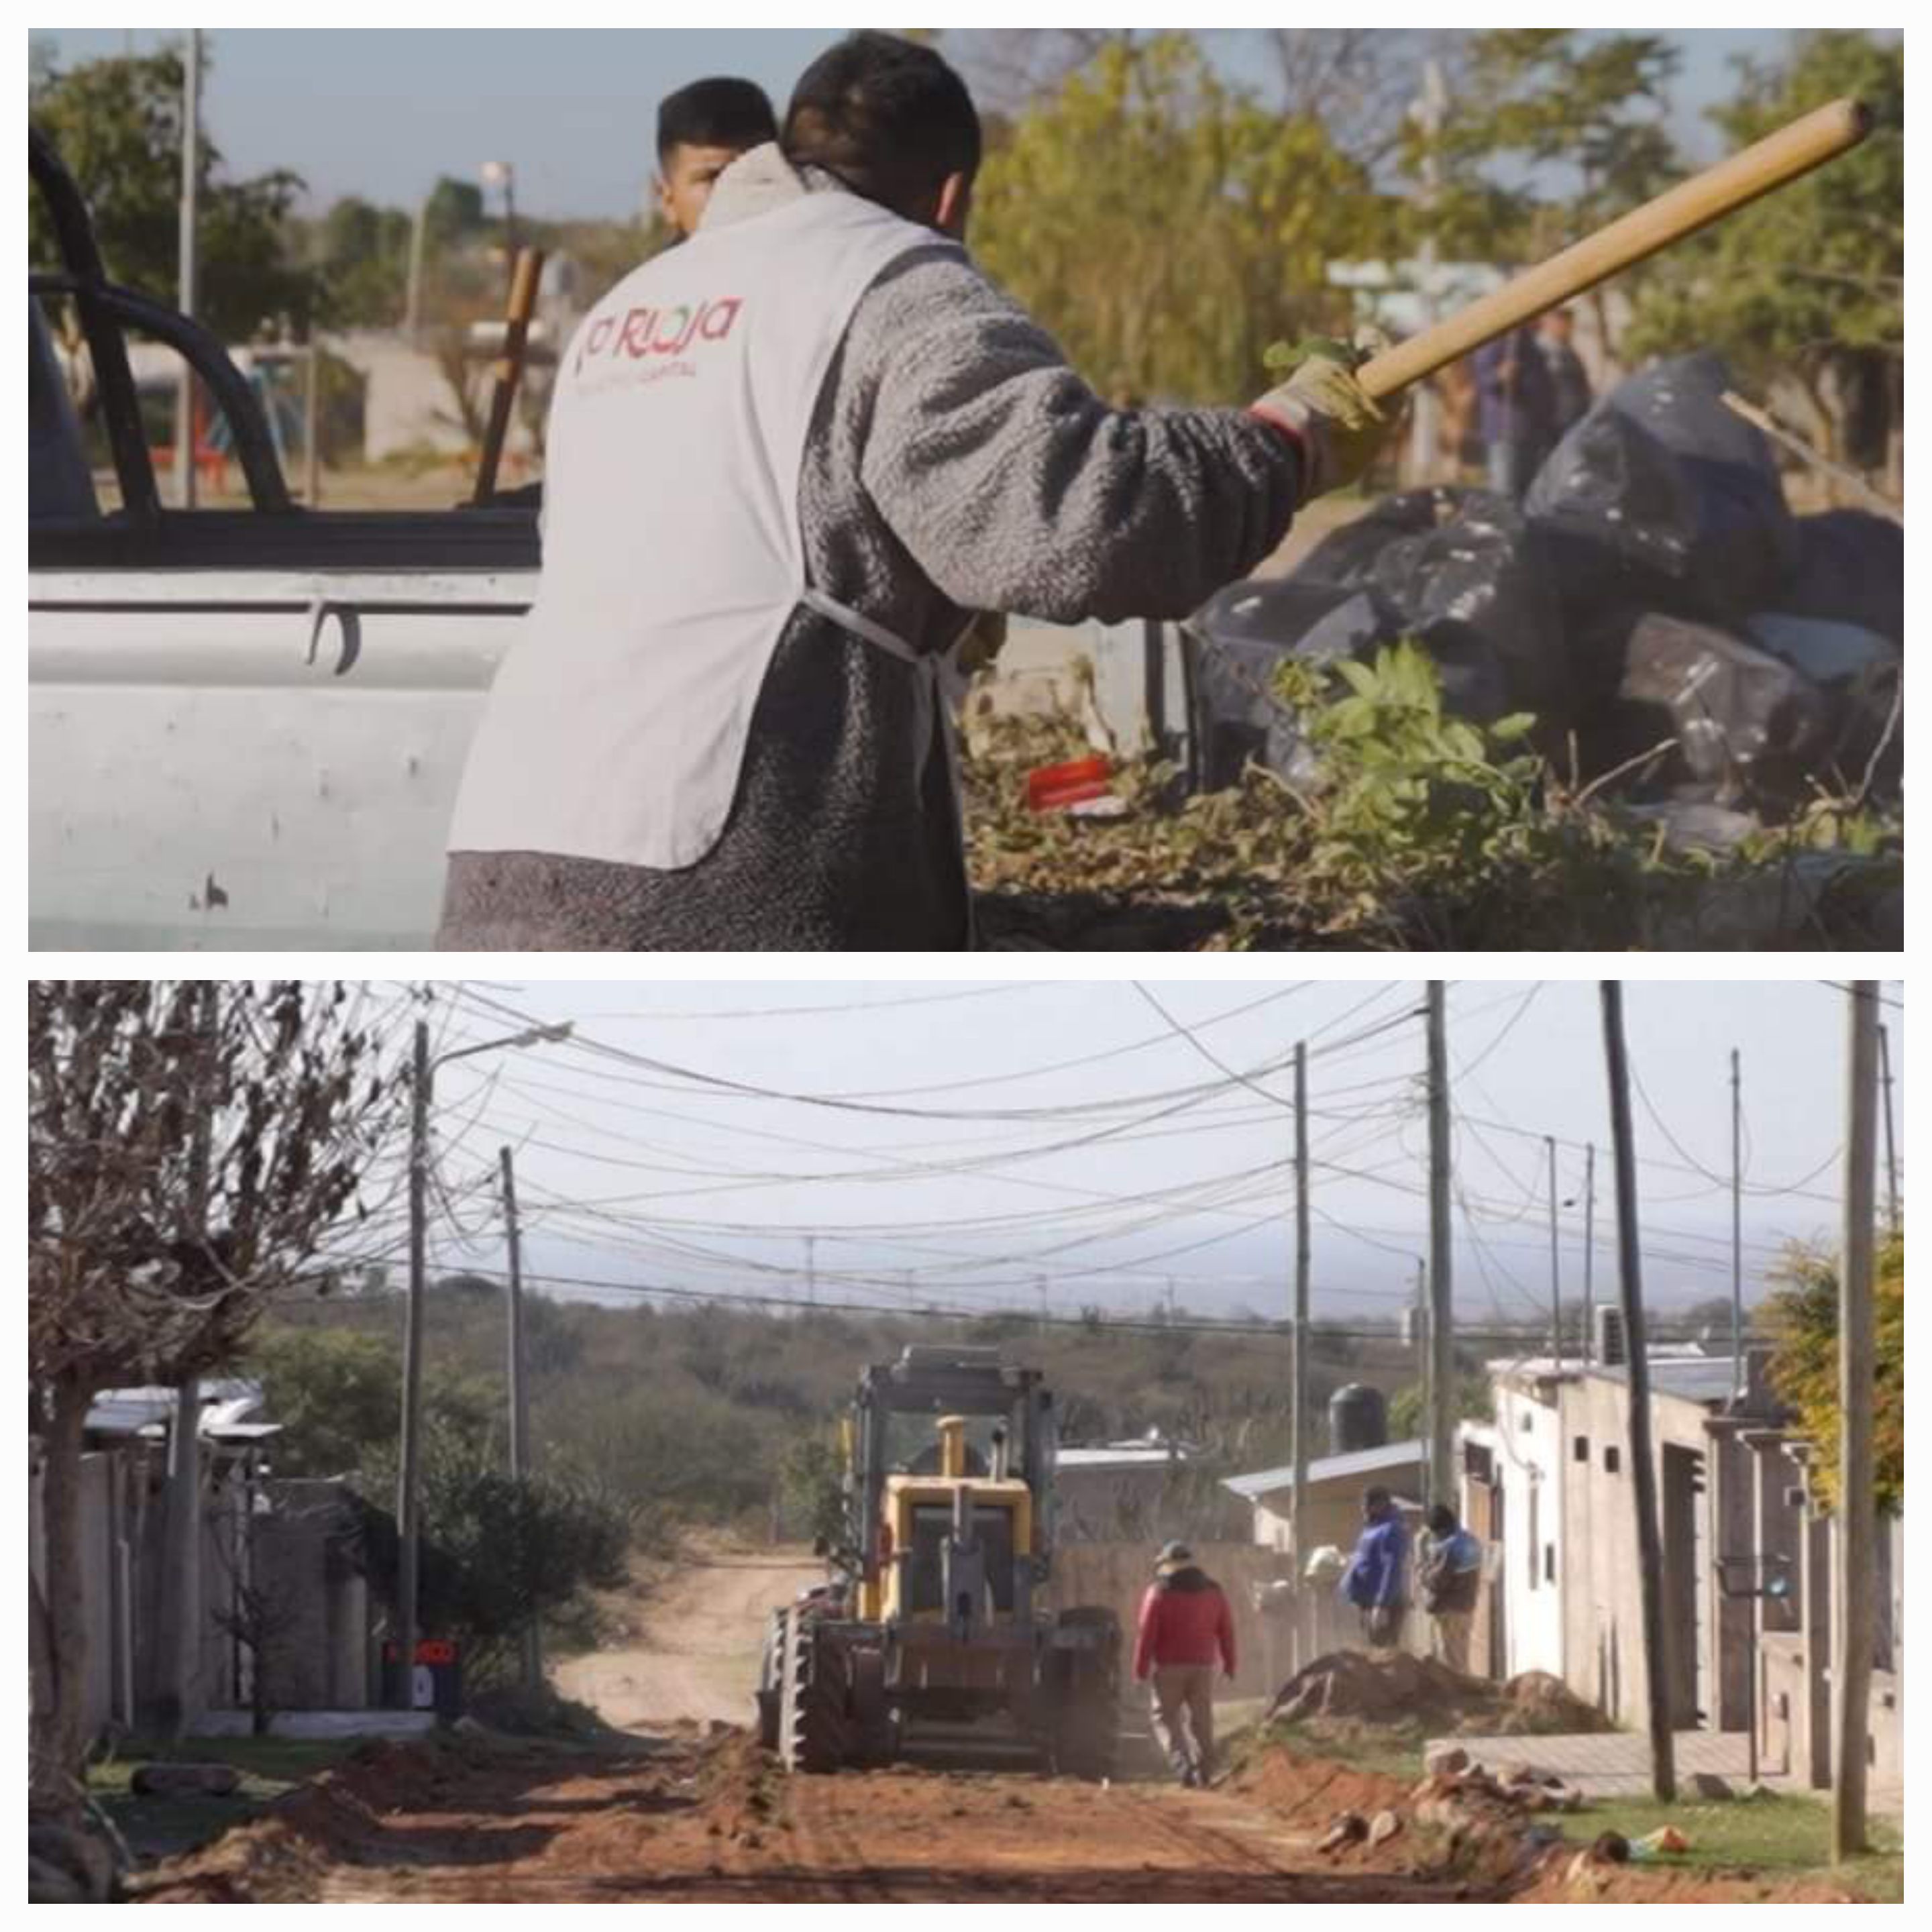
<point>1358,81</point>
<point>191,1145</point>
<point>1008,68</point>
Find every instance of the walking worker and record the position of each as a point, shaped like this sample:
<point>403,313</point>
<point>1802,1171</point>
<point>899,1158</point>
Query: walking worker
<point>1186,1628</point>
<point>702,129</point>
<point>1449,1575</point>
<point>787,462</point>
<point>1373,1581</point>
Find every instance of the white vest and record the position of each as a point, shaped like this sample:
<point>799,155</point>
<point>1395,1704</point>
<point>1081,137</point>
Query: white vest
<point>673,557</point>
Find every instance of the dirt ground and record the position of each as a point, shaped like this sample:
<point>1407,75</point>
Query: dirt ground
<point>679,1804</point>
<point>692,1654</point>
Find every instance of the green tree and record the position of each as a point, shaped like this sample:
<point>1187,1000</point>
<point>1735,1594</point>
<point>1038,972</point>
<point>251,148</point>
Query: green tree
<point>338,1396</point>
<point>1809,283</point>
<point>1168,227</point>
<point>1553,132</point>
<point>1475,1402</point>
<point>1802,1317</point>
<point>117,125</point>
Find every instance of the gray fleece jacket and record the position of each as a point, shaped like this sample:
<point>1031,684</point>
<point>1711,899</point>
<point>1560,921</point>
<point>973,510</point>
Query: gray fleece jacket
<point>955,464</point>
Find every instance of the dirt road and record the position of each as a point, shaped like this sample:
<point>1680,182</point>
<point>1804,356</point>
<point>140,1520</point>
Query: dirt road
<point>695,1656</point>
<point>686,1809</point>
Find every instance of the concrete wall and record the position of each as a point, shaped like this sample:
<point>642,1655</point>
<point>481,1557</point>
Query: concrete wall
<point>317,1658</point>
<point>1530,1449</point>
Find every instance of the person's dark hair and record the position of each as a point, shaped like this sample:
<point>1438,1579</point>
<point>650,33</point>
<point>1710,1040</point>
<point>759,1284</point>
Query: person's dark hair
<point>887,116</point>
<point>1375,1499</point>
<point>1442,1520</point>
<point>718,113</point>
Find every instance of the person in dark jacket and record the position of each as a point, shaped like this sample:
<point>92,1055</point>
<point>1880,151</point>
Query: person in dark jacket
<point>1374,1579</point>
<point>1570,393</point>
<point>1449,1575</point>
<point>1516,410</point>
<point>1185,1627</point>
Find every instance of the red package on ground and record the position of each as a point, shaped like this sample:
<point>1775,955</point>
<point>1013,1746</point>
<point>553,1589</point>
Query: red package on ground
<point>1053,787</point>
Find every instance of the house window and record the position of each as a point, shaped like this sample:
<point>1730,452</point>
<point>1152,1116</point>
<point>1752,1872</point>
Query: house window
<point>1531,1540</point>
<point>1525,1419</point>
<point>1612,1459</point>
<point>1550,1562</point>
<point>1580,1449</point>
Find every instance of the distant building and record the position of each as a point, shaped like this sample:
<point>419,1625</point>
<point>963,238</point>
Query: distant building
<point>1140,1490</point>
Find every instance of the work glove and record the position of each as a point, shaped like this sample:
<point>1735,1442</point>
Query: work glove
<point>1338,426</point>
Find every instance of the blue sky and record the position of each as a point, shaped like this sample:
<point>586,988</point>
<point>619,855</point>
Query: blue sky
<point>381,113</point>
<point>1014,1173</point>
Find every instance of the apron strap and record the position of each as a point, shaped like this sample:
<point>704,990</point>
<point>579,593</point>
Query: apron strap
<point>934,667</point>
<point>847,619</point>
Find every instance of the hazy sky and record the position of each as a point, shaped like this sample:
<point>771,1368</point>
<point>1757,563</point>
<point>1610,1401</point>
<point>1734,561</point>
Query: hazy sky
<point>382,113</point>
<point>962,1171</point>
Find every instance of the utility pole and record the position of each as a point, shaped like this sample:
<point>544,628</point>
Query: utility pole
<point>402,1690</point>
<point>412,294</point>
<point>1891,1144</point>
<point>190,195</point>
<point>181,1606</point>
<point>1298,1519</point>
<point>1442,1337</point>
<point>1854,1612</point>
<point>1039,1289</point>
<point>1555,1264</point>
<point>520,1407</point>
<point>811,1270</point>
<point>1430,112</point>
<point>1737,1232</point>
<point>408,1517</point>
<point>1643,1466</point>
<point>1589,1252</point>
<point>1299,1412</point>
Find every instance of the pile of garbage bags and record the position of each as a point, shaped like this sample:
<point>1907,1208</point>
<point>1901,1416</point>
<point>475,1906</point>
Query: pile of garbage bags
<point>1654,588</point>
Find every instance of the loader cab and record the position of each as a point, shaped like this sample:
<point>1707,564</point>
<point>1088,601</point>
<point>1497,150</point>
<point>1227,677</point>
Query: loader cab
<point>950,1539</point>
<point>950,1451</point>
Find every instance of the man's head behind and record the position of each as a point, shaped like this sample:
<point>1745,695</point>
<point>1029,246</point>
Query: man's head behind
<point>1375,1500</point>
<point>893,122</point>
<point>702,129</point>
<point>1442,1520</point>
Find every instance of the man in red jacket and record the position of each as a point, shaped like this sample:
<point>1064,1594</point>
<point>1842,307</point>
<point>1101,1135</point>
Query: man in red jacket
<point>1186,1626</point>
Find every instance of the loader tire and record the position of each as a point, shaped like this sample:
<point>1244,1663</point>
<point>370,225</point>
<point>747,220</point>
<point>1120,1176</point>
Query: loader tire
<point>815,1731</point>
<point>1087,1705</point>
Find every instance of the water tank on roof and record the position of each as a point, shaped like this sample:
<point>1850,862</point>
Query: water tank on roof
<point>1357,1419</point>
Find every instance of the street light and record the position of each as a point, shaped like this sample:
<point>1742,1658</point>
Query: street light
<point>407,1484</point>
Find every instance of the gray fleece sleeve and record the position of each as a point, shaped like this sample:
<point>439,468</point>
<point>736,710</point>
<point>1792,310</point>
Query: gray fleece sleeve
<point>1016,489</point>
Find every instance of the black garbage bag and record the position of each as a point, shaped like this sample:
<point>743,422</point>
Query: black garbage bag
<point>1851,568</point>
<point>1461,572</point>
<point>1661,499</point>
<point>1750,729</point>
<point>1235,644</point>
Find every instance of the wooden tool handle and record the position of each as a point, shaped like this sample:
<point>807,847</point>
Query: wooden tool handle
<point>524,279</point>
<point>1781,157</point>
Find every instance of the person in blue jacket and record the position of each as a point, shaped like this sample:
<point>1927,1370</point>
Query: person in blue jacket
<point>1375,1578</point>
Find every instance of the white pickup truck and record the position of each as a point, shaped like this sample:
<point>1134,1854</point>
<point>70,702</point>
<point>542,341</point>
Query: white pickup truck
<point>247,727</point>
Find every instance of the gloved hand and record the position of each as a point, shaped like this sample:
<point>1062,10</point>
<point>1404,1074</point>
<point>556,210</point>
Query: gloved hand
<point>1340,426</point>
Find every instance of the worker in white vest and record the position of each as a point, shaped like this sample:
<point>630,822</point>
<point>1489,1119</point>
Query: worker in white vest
<point>787,463</point>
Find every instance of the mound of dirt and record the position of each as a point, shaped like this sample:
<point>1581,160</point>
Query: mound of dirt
<point>1313,1790</point>
<point>1392,1689</point>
